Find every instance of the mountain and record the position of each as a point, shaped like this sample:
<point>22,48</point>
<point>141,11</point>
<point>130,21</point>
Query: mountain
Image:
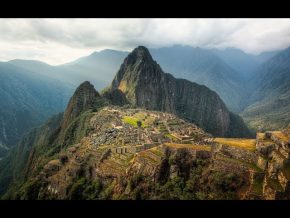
<point>265,56</point>
<point>99,68</point>
<point>131,153</point>
<point>142,82</point>
<point>244,64</point>
<point>203,67</point>
<point>194,64</point>
<point>55,134</point>
<point>84,98</point>
<point>269,104</point>
<point>26,100</point>
<point>14,166</point>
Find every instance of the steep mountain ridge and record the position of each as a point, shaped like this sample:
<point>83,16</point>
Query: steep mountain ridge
<point>244,64</point>
<point>57,133</point>
<point>268,106</point>
<point>181,162</point>
<point>113,152</point>
<point>26,100</point>
<point>194,64</point>
<point>99,68</point>
<point>84,98</point>
<point>144,84</point>
<point>206,68</point>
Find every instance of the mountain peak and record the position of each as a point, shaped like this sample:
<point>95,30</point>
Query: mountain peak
<point>141,48</point>
<point>86,89</point>
<point>84,98</point>
<point>85,85</point>
<point>141,82</point>
<point>138,62</point>
<point>140,53</point>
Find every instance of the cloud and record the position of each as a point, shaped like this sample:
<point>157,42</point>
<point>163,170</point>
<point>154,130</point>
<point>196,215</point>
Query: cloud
<point>61,40</point>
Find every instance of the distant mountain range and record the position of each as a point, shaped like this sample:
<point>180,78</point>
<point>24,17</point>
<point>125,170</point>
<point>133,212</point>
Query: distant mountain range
<point>203,67</point>
<point>245,64</point>
<point>221,70</point>
<point>99,68</point>
<point>143,83</point>
<point>269,103</point>
<point>26,100</point>
<point>138,139</point>
<point>231,73</point>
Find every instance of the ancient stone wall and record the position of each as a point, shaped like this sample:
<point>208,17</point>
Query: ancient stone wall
<point>237,153</point>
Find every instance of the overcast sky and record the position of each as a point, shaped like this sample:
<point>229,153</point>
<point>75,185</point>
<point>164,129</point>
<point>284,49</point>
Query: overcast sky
<point>57,41</point>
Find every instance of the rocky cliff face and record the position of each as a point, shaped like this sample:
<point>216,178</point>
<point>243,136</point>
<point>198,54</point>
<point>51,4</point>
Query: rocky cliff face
<point>273,149</point>
<point>84,98</point>
<point>166,158</point>
<point>163,158</point>
<point>58,132</point>
<point>145,85</point>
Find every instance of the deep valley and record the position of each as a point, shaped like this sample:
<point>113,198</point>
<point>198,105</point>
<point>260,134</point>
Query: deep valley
<point>168,123</point>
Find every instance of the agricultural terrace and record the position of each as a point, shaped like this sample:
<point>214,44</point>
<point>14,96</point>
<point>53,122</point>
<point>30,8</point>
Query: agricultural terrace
<point>248,144</point>
<point>194,147</point>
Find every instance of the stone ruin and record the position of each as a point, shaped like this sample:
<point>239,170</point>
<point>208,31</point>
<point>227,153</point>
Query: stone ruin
<point>132,149</point>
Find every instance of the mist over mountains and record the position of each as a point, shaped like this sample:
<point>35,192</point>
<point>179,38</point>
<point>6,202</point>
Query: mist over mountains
<point>269,104</point>
<point>231,73</point>
<point>244,63</point>
<point>145,109</point>
<point>155,131</point>
<point>220,70</point>
<point>143,83</point>
<point>27,99</point>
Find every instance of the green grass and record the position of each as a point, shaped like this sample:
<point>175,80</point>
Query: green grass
<point>146,120</point>
<point>141,116</point>
<point>132,121</point>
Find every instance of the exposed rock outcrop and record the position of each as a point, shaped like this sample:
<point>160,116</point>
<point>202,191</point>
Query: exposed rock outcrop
<point>144,84</point>
<point>273,158</point>
<point>84,98</point>
<point>118,159</point>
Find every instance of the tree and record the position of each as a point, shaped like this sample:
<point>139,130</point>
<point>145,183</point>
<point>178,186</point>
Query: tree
<point>139,123</point>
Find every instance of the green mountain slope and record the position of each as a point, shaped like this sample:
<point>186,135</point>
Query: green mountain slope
<point>269,104</point>
<point>194,64</point>
<point>47,140</point>
<point>110,156</point>
<point>99,68</point>
<point>26,100</point>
